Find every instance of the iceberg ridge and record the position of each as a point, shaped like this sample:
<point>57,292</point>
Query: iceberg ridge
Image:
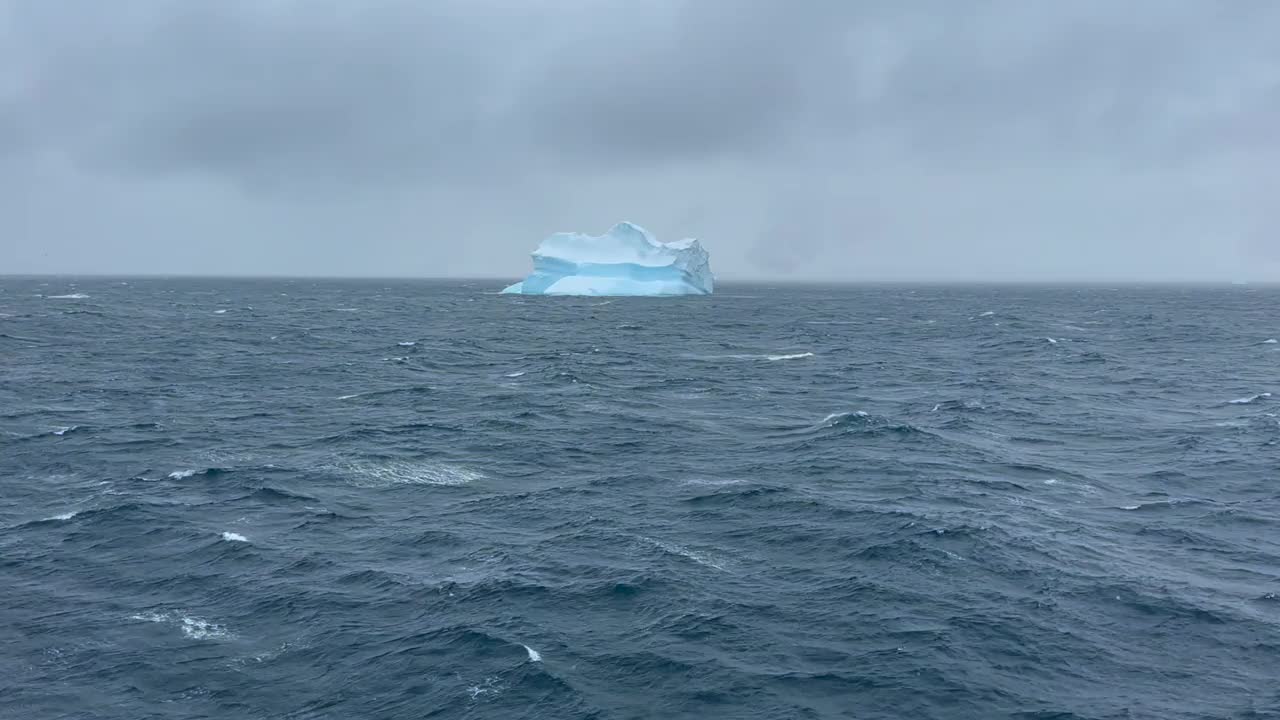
<point>626,260</point>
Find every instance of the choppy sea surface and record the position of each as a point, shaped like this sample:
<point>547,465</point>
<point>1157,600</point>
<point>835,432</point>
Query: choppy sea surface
<point>303,499</point>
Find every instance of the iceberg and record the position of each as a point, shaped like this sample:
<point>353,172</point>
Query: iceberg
<point>627,260</point>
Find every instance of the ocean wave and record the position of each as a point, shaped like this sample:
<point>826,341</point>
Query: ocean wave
<point>491,685</point>
<point>734,495</point>
<point>863,421</point>
<point>1166,504</point>
<point>794,356</point>
<point>844,418</point>
<point>410,390</point>
<point>781,537</point>
<point>272,495</point>
<point>684,552</point>
<point>192,472</point>
<point>756,356</point>
<point>191,626</point>
<point>712,482</point>
<point>1249,400</point>
<point>406,472</point>
<point>958,405</point>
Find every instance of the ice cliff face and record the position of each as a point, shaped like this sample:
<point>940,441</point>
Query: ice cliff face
<point>627,260</point>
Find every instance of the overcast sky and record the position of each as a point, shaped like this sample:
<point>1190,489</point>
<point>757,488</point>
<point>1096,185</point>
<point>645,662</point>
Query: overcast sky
<point>799,139</point>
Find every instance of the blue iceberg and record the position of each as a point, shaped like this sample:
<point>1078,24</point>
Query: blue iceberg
<point>627,260</point>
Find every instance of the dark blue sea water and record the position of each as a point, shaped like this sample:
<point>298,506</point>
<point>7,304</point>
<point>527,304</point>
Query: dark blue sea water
<point>269,499</point>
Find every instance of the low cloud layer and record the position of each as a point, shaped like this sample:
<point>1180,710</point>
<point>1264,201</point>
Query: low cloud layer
<point>814,140</point>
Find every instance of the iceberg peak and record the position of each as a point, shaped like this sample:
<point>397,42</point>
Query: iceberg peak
<point>626,260</point>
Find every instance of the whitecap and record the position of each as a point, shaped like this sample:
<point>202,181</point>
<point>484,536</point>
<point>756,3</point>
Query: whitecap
<point>403,472</point>
<point>534,655</point>
<point>72,296</point>
<point>1271,341</point>
<point>407,343</point>
<point>936,408</point>
<point>1075,328</point>
<point>348,397</point>
<point>198,629</point>
<point>182,474</point>
<point>234,537</point>
<point>834,418</point>
<point>795,356</point>
<point>988,313</point>
<point>191,626</point>
<point>516,374</point>
<point>713,482</point>
<point>1051,341</point>
<point>1130,507</point>
<point>344,309</point>
<point>64,429</point>
<point>64,516</point>
<point>491,685</point>
<point>684,552</point>
<point>151,617</point>
<point>1051,481</point>
<point>219,312</point>
<point>1250,399</point>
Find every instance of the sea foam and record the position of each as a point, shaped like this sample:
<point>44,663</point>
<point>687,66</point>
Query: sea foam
<point>192,627</point>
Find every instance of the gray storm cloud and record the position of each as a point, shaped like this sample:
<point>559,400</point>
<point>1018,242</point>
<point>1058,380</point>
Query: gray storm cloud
<point>808,140</point>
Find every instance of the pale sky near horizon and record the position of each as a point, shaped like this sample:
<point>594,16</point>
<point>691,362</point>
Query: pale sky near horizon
<point>799,139</point>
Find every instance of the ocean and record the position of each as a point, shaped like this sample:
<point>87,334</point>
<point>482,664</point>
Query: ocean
<point>298,499</point>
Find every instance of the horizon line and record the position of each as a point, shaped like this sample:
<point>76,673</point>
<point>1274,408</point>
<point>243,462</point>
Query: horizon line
<point>744,280</point>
